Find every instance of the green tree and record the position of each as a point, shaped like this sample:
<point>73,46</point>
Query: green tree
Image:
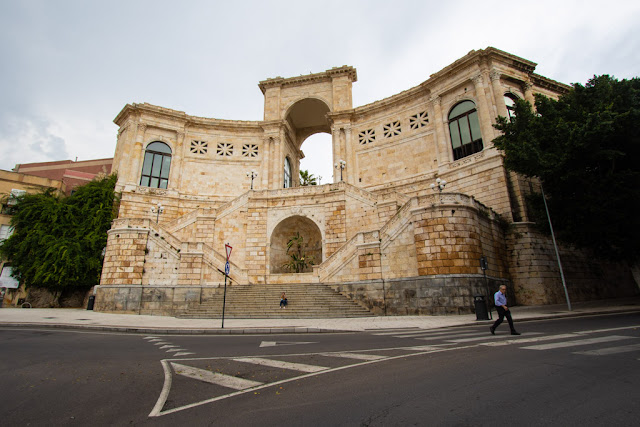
<point>57,241</point>
<point>585,150</point>
<point>298,259</point>
<point>307,178</point>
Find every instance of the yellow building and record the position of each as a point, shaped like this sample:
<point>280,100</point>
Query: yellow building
<point>12,185</point>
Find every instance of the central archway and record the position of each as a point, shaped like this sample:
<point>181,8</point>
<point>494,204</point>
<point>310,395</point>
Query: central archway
<point>306,118</point>
<point>283,232</point>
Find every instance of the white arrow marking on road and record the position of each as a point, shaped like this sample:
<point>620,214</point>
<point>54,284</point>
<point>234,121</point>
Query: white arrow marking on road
<point>274,343</point>
<point>183,354</point>
<point>168,346</point>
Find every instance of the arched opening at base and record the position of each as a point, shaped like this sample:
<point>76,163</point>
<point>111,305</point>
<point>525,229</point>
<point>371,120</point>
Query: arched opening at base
<point>311,245</point>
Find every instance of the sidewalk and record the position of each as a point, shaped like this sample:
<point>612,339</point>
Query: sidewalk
<point>71,318</point>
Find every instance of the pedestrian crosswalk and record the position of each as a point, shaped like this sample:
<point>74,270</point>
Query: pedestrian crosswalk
<point>537,341</point>
<point>233,375</point>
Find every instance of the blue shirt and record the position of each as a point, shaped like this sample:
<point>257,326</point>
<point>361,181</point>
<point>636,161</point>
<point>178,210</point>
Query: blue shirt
<point>500,299</point>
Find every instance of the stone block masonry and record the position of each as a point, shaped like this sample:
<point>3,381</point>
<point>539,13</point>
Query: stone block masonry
<point>379,233</point>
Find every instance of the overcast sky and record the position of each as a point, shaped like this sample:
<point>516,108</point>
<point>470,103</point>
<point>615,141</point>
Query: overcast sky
<point>68,67</point>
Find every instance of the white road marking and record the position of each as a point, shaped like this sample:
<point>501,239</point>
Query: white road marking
<point>596,331</point>
<point>358,356</point>
<point>485,337</point>
<point>160,343</point>
<point>398,331</point>
<point>280,364</point>
<point>183,354</point>
<point>168,346</point>
<point>529,340</point>
<point>164,394</point>
<point>426,336</point>
<point>610,350</point>
<point>277,343</point>
<point>173,350</point>
<point>428,348</point>
<point>586,341</point>
<point>214,377</point>
<point>418,351</point>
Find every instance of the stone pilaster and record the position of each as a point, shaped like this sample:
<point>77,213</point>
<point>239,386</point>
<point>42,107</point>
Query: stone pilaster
<point>498,93</point>
<point>527,88</point>
<point>442,148</point>
<point>483,110</point>
<point>137,155</point>
<point>256,249</point>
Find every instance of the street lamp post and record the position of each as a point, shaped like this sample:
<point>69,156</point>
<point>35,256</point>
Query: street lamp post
<point>555,246</point>
<point>340,165</point>
<point>158,210</point>
<point>252,175</point>
<point>439,185</point>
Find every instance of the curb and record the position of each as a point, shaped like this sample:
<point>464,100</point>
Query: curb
<point>289,330</point>
<point>168,331</point>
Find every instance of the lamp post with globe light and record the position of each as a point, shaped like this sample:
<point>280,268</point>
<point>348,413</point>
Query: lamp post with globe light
<point>252,175</point>
<point>158,210</point>
<point>340,165</point>
<point>439,185</point>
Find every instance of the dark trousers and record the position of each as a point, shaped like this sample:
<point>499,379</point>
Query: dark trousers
<point>502,313</point>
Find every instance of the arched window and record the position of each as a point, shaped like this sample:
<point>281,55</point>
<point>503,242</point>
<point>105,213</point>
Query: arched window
<point>510,102</point>
<point>157,162</point>
<point>287,173</point>
<point>464,127</point>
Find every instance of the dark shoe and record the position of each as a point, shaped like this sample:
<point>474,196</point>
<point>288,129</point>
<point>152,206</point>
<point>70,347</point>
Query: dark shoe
<point>493,331</point>
<point>515,333</point>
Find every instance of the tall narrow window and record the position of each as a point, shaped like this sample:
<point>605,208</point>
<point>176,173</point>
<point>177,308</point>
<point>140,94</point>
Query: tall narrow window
<point>287,173</point>
<point>510,102</point>
<point>464,127</point>
<point>157,162</point>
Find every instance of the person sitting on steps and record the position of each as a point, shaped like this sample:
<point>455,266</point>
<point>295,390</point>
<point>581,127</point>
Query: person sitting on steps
<point>283,300</point>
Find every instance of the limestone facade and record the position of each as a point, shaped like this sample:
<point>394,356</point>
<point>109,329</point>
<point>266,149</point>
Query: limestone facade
<point>381,235</point>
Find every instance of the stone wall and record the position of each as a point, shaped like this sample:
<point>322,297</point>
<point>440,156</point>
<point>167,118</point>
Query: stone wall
<point>536,276</point>
<point>433,295</point>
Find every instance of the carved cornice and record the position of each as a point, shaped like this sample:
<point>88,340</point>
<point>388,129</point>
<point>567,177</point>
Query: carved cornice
<point>549,84</point>
<point>309,78</point>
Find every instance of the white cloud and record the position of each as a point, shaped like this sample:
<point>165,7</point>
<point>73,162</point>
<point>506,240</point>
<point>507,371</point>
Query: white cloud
<point>69,66</point>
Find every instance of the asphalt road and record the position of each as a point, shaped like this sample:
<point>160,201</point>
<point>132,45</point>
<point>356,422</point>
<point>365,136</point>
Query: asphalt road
<point>581,371</point>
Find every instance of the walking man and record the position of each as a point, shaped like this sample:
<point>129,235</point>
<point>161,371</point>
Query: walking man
<point>503,311</point>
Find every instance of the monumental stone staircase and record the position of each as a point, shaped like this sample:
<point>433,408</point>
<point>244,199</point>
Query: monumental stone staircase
<point>306,300</point>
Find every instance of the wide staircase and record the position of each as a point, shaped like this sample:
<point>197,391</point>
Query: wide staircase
<point>310,300</point>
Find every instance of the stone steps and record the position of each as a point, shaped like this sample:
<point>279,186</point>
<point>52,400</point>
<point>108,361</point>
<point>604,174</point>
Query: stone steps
<point>306,300</point>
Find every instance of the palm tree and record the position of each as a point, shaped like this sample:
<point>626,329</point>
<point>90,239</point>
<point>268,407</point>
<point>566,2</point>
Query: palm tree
<point>307,178</point>
<point>298,260</point>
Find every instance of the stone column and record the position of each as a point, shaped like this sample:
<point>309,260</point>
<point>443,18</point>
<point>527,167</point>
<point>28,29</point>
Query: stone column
<point>137,155</point>
<point>442,149</point>
<point>175,174</point>
<point>351,161</point>
<point>498,93</point>
<point>264,169</point>
<point>335,140</point>
<point>527,88</point>
<point>280,160</point>
<point>483,111</point>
